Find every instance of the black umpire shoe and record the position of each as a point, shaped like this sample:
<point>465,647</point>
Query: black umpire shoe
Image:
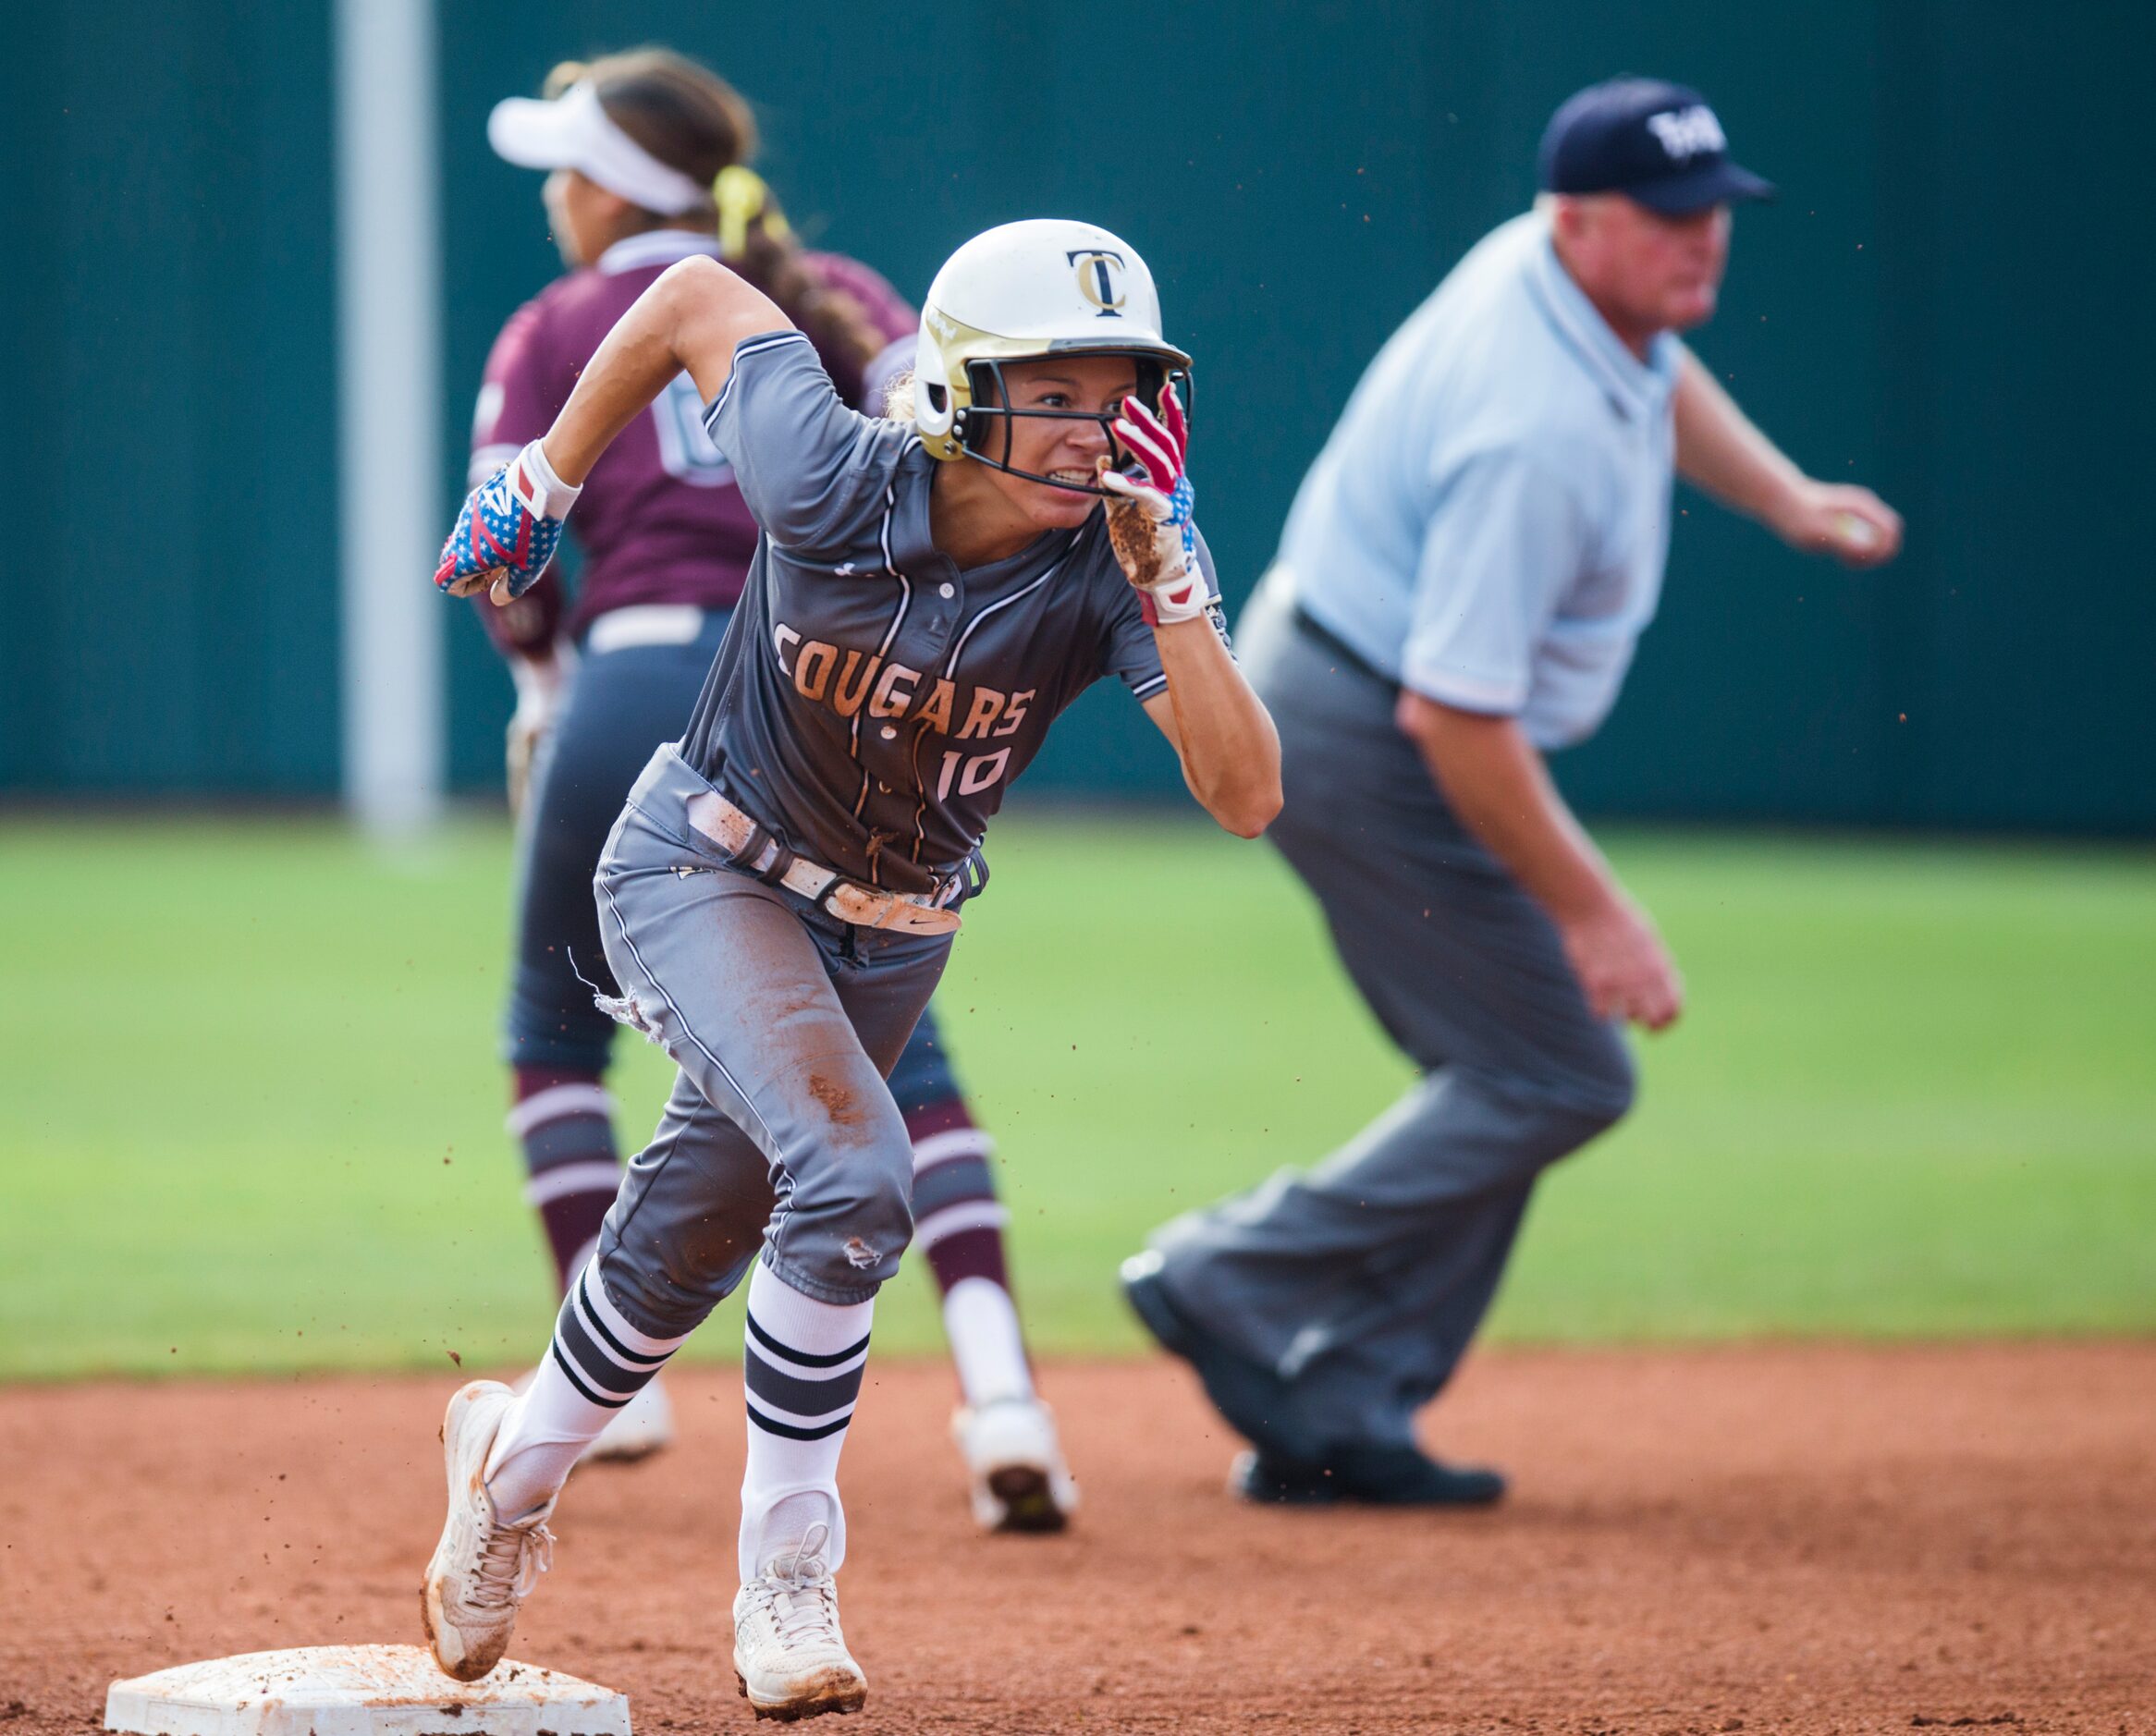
<point>1377,1476</point>
<point>1271,1481</point>
<point>1253,1399</point>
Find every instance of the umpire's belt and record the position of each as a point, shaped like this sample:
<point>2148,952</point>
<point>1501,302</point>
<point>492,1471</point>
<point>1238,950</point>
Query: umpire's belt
<point>1334,646</point>
<point>751,847</point>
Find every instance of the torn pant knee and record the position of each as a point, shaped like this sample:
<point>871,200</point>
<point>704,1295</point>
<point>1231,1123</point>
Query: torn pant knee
<point>849,1215</point>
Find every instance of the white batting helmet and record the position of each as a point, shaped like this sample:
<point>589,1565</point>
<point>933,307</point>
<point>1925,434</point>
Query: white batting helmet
<point>1046,286</point>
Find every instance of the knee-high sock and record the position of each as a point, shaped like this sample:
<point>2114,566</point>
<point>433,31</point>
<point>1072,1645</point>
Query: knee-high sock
<point>564,1121</point>
<point>596,1362</point>
<point>801,1372</point>
<point>958,1224</point>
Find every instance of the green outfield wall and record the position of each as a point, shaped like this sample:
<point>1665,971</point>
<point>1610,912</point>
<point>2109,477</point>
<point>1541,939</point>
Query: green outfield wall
<point>1948,302</point>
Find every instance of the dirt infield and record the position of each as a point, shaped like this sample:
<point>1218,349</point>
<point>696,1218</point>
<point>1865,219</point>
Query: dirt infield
<point>1827,1540</point>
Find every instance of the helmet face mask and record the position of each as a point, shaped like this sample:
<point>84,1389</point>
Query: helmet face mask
<point>1031,291</point>
<point>976,424</point>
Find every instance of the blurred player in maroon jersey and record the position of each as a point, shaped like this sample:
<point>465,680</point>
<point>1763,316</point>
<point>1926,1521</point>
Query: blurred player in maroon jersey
<point>647,158</point>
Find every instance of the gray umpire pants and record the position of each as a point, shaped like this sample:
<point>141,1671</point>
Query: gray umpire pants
<point>1362,1280</point>
<point>780,1133</point>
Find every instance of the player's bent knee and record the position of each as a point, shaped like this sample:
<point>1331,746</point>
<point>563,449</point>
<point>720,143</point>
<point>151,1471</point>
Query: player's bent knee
<point>665,1302</point>
<point>846,1228</point>
<point>665,1284</point>
<point>870,1232</point>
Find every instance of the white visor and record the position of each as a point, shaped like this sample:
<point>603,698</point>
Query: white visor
<point>572,132</point>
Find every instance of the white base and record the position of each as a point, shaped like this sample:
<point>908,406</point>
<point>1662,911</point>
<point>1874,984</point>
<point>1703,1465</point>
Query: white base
<point>359,1690</point>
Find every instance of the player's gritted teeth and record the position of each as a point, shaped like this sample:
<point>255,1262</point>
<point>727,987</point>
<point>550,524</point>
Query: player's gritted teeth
<point>1057,441</point>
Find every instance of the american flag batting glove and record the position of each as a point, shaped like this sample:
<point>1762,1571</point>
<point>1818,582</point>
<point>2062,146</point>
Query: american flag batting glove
<point>509,528</point>
<point>1171,587</point>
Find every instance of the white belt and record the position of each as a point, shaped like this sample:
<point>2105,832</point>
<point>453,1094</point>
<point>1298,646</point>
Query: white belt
<point>753,850</point>
<point>645,624</point>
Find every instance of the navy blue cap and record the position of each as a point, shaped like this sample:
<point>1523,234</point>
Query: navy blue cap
<point>1655,143</point>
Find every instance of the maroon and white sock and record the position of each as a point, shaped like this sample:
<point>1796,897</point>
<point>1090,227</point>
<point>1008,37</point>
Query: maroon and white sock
<point>565,1123</point>
<point>958,1224</point>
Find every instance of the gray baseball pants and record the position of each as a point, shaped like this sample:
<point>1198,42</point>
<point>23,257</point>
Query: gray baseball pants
<point>1361,1281</point>
<point>781,1134</point>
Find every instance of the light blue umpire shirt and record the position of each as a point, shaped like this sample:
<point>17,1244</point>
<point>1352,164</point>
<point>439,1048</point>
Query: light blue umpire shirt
<point>1488,524</point>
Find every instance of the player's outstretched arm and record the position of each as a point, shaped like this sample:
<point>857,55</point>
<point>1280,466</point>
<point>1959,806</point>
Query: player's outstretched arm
<point>1721,450</point>
<point>691,318</point>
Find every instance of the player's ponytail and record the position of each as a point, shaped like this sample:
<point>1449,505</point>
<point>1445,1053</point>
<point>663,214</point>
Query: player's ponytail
<point>690,119</point>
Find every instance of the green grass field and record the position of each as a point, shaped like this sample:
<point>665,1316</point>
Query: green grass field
<point>249,1117</point>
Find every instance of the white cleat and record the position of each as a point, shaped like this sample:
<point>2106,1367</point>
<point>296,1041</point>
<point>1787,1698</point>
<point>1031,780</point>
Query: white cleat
<point>483,1569</point>
<point>1016,1465</point>
<point>789,1658</point>
<point>639,1428</point>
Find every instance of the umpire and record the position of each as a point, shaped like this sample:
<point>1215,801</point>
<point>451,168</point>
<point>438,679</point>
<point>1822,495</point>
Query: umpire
<point>1463,579</point>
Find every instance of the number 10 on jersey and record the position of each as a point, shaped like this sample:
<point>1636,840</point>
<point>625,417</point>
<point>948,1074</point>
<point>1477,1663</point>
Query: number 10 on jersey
<point>971,777</point>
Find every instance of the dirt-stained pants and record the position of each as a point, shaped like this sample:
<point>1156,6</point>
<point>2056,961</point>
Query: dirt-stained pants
<point>619,702</point>
<point>780,1132</point>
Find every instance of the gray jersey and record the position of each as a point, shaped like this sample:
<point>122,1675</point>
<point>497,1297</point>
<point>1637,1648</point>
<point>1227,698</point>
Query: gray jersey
<point>872,702</point>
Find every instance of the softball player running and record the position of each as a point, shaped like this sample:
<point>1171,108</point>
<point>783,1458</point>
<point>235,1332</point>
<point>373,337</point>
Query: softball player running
<point>647,156</point>
<point>778,897</point>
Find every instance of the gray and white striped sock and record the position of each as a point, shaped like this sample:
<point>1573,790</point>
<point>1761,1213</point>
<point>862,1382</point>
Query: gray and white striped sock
<point>802,1366</point>
<point>595,1364</point>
